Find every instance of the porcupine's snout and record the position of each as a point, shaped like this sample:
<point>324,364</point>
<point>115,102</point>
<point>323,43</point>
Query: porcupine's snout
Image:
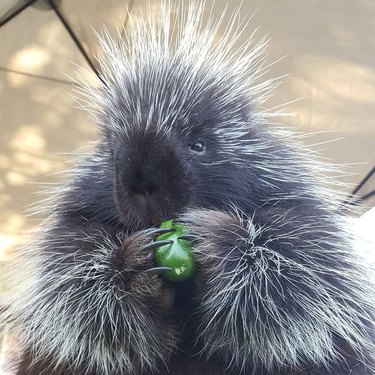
<point>144,185</point>
<point>150,179</point>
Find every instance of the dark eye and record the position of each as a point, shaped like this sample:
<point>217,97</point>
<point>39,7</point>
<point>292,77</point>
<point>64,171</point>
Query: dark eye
<point>198,147</point>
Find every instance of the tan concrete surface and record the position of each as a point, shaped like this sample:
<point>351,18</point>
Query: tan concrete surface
<point>329,54</point>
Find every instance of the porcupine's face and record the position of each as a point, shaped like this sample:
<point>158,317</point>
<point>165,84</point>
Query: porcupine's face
<point>164,168</point>
<point>151,178</point>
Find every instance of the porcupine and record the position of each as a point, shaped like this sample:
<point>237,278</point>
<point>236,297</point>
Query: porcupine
<point>184,134</point>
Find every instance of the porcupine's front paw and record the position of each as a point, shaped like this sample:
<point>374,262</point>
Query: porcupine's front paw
<point>221,242</point>
<point>135,261</point>
<point>224,252</point>
<point>217,237</point>
<point>147,302</point>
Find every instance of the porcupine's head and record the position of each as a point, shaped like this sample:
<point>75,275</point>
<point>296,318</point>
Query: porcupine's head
<point>180,115</point>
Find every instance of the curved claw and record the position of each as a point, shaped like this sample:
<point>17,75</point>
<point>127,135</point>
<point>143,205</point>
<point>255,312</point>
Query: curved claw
<point>158,270</point>
<point>160,231</point>
<point>154,245</point>
<point>187,237</point>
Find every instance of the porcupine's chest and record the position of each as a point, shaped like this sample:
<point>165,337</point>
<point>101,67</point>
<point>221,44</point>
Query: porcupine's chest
<point>188,359</point>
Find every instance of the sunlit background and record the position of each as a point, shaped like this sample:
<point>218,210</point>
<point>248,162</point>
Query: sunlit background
<point>329,54</point>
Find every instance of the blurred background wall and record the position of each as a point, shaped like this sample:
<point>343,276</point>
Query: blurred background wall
<point>329,54</point>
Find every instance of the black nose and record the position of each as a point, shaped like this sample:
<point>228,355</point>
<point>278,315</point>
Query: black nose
<point>142,183</point>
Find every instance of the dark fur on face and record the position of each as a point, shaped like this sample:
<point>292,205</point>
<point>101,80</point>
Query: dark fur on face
<point>151,179</point>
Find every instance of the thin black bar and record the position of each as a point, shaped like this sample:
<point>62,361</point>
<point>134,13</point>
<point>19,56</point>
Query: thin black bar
<point>75,38</point>
<point>352,199</point>
<point>16,12</point>
<point>38,76</point>
<point>364,180</point>
<point>367,195</point>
